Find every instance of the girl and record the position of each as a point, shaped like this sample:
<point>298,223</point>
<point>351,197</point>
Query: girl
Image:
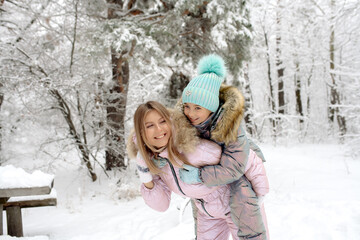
<point>216,111</point>
<point>161,144</point>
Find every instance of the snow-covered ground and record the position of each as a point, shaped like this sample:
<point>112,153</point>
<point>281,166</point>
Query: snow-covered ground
<point>314,195</point>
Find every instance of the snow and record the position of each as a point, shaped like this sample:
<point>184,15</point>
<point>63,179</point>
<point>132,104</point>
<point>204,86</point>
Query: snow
<point>52,194</point>
<point>314,195</point>
<point>13,177</point>
<point>25,238</point>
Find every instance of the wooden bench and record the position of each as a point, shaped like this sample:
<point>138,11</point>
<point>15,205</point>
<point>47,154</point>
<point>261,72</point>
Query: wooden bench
<point>14,205</point>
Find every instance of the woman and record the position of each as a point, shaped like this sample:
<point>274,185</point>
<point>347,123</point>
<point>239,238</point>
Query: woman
<point>161,148</point>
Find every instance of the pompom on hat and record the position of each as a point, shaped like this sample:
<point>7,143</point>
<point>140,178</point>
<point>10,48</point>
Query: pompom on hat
<point>203,90</point>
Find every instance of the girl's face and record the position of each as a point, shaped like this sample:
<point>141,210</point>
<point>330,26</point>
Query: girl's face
<point>157,130</point>
<point>195,113</point>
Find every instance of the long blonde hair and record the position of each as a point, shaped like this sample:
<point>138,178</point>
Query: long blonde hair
<point>146,150</point>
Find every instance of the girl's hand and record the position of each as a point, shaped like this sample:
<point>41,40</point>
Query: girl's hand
<point>189,174</point>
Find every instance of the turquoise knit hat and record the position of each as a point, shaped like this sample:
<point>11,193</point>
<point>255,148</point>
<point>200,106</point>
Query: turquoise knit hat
<point>203,90</point>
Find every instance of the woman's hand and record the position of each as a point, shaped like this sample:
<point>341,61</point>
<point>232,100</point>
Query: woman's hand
<point>144,172</point>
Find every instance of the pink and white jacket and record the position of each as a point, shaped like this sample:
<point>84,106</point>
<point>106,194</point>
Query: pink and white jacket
<point>211,200</point>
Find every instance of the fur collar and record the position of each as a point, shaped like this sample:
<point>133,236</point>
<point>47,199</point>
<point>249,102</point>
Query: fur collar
<point>185,135</point>
<point>131,146</point>
<point>226,130</point>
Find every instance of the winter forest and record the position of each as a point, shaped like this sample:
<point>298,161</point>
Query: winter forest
<point>72,73</point>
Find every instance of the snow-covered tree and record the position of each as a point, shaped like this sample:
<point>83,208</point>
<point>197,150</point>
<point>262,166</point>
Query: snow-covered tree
<point>317,42</point>
<point>45,70</point>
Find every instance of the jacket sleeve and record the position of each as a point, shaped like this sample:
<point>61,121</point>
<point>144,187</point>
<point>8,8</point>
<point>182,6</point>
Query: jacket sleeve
<point>256,149</point>
<point>256,174</point>
<point>232,163</point>
<point>158,198</point>
<point>206,153</point>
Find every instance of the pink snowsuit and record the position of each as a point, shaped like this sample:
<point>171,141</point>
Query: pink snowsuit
<point>213,203</point>
<point>224,127</point>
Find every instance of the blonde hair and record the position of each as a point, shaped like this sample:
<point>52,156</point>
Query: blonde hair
<point>146,150</point>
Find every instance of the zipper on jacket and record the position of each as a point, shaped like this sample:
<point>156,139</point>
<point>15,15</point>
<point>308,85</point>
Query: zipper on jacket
<point>215,119</point>
<point>178,185</point>
<point>203,206</point>
<point>174,175</point>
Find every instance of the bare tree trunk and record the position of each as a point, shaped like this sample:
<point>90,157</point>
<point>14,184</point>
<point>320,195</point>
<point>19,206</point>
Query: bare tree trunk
<point>117,94</point>
<point>1,101</point>
<point>73,41</point>
<point>178,82</point>
<point>248,115</point>
<point>249,105</point>
<point>65,110</point>
<point>279,63</point>
<point>333,92</point>
<point>308,102</point>
<point>280,73</point>
<point>306,110</point>
<point>271,89</point>
<point>335,101</point>
<point>114,102</point>
<point>299,106</point>
<point>115,109</point>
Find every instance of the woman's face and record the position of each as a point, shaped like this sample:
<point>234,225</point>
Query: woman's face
<point>157,130</point>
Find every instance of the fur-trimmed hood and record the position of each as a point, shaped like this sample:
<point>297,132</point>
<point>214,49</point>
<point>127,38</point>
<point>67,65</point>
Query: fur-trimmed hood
<point>226,129</point>
<point>185,135</point>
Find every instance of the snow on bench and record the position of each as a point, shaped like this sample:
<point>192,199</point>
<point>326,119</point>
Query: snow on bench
<point>17,178</point>
<point>19,189</point>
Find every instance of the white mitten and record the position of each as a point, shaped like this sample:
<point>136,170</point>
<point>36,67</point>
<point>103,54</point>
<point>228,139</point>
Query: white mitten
<point>143,170</point>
